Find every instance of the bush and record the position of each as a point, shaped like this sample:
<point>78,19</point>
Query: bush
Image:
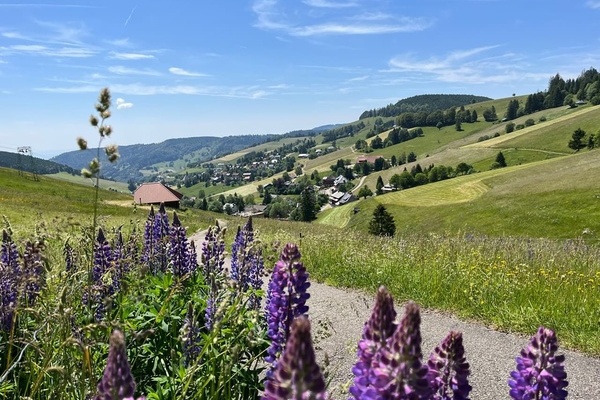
<point>542,118</point>
<point>510,127</point>
<point>529,122</point>
<point>518,127</point>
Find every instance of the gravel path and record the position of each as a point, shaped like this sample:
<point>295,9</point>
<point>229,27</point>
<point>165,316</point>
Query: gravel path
<point>338,315</point>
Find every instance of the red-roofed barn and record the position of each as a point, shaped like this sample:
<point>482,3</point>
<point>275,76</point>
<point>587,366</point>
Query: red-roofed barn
<point>156,193</point>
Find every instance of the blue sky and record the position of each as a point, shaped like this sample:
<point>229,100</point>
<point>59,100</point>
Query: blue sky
<point>196,68</point>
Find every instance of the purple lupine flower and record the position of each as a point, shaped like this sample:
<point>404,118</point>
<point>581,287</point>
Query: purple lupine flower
<point>190,337</point>
<point>117,262</point>
<point>238,250</point>
<point>376,332</point>
<point>9,275</point>
<point>448,369</point>
<point>297,375</point>
<point>397,371</point>
<point>286,301</point>
<point>179,255</point>
<point>117,383</point>
<point>213,258</point>
<point>100,288</point>
<point>9,255</point>
<point>70,258</point>
<point>33,277</point>
<point>255,276</point>
<point>540,373</point>
<point>239,255</point>
<point>193,256</point>
<point>8,297</point>
<point>156,234</point>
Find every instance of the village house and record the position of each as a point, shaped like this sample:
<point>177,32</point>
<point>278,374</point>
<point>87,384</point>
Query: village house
<point>157,193</point>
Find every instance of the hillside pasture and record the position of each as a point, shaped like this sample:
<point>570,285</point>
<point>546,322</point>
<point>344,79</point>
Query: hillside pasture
<point>547,198</point>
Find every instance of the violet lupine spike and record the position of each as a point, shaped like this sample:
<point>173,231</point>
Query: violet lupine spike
<point>117,383</point>
<point>9,254</point>
<point>213,258</point>
<point>100,288</point>
<point>179,256</point>
<point>10,272</point>
<point>190,337</point>
<point>33,276</point>
<point>255,276</point>
<point>238,249</point>
<point>297,375</point>
<point>540,373</point>
<point>286,300</point>
<point>240,259</point>
<point>70,258</point>
<point>8,297</point>
<point>449,369</point>
<point>193,257</point>
<point>148,247</point>
<point>376,332</point>
<point>397,371</point>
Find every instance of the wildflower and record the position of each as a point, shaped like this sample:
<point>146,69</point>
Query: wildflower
<point>247,263</point>
<point>179,255</point>
<point>69,254</point>
<point>448,369</point>
<point>117,383</point>
<point>102,285</point>
<point>156,232</point>
<point>297,375</point>
<point>190,339</point>
<point>287,295</point>
<point>9,275</point>
<point>213,258</point>
<point>33,276</point>
<point>377,330</point>
<point>397,371</point>
<point>540,373</point>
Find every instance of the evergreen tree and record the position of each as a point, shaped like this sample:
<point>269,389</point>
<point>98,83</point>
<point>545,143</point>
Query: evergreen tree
<point>308,205</point>
<point>379,185</point>
<point>382,223</point>
<point>577,140</point>
<point>500,159</point>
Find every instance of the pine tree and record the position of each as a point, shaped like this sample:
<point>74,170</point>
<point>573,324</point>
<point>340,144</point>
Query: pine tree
<point>308,205</point>
<point>382,223</point>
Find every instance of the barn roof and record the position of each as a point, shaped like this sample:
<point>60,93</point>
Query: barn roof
<point>155,193</point>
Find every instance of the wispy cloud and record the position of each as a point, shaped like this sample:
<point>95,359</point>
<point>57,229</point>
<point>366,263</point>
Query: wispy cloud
<point>129,17</point>
<point>271,17</point>
<point>123,42</point>
<point>359,78</point>
<point>330,4</point>
<point>593,4</point>
<point>121,104</point>
<point>183,72</point>
<point>136,89</point>
<point>463,67</point>
<point>40,50</point>
<point>121,70</point>
<point>40,5</point>
<point>130,56</point>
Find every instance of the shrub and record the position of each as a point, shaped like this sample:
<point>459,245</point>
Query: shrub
<point>529,122</point>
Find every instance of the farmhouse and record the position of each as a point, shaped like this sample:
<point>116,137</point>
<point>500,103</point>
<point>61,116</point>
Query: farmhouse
<point>157,193</point>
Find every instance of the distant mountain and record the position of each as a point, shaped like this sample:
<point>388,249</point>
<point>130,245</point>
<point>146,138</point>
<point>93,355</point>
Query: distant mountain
<point>32,164</point>
<point>424,102</point>
<point>140,156</point>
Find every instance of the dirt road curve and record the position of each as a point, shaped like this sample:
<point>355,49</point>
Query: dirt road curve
<point>338,315</point>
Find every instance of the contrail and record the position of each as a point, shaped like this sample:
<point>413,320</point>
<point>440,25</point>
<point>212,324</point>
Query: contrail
<point>130,15</point>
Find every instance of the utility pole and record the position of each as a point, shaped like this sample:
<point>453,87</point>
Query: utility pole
<point>26,151</point>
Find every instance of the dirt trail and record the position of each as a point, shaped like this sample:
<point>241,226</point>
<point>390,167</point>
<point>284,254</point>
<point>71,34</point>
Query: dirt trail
<point>338,315</point>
